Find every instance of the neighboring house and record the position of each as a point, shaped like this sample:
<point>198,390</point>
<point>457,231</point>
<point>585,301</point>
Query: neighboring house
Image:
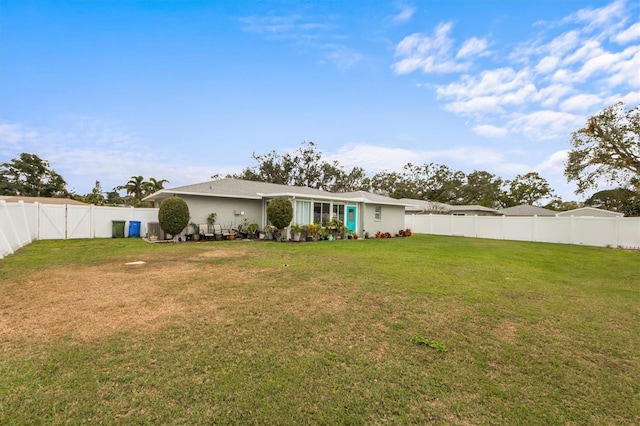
<point>433,207</point>
<point>473,210</point>
<point>424,207</point>
<point>41,200</point>
<point>526,210</point>
<point>589,212</point>
<point>234,200</point>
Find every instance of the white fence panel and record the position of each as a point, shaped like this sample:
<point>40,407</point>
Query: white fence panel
<point>552,229</point>
<point>518,228</point>
<point>593,231</point>
<point>19,219</point>
<point>31,212</point>
<point>490,227</point>
<point>52,222</point>
<point>8,237</point>
<point>79,221</point>
<point>464,226</point>
<point>629,233</point>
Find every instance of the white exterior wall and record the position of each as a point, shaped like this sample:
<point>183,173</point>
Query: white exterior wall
<point>591,231</point>
<point>393,219</point>
<point>228,210</point>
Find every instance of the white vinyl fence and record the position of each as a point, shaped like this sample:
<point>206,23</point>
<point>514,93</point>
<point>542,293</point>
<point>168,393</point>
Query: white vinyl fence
<point>21,223</point>
<point>589,231</point>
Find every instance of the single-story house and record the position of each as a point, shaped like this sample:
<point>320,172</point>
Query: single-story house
<point>589,212</point>
<point>433,207</point>
<point>526,210</point>
<point>237,202</point>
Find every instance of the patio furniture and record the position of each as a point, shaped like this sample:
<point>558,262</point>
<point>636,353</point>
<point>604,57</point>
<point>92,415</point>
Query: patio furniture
<point>206,232</point>
<point>217,231</point>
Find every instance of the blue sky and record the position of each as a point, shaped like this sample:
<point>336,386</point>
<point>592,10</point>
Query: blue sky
<point>183,90</point>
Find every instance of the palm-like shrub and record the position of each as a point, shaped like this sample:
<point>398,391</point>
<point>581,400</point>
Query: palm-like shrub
<point>173,215</point>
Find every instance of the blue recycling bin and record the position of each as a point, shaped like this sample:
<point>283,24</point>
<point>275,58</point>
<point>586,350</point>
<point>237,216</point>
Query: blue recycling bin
<point>134,228</point>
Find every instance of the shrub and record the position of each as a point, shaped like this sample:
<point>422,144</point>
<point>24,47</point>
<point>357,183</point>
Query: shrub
<point>173,215</point>
<point>280,212</point>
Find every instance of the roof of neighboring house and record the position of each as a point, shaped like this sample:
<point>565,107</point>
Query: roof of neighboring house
<point>238,188</point>
<point>589,211</point>
<point>472,207</point>
<point>41,200</point>
<point>526,210</point>
<point>423,206</point>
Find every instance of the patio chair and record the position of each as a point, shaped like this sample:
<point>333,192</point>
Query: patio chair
<point>217,231</point>
<point>205,231</point>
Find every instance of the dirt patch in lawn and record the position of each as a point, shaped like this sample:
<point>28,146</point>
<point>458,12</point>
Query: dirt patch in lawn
<point>89,302</point>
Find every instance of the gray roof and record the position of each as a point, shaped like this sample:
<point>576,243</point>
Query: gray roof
<point>590,212</point>
<point>238,188</point>
<point>423,206</point>
<point>527,210</point>
<point>472,207</point>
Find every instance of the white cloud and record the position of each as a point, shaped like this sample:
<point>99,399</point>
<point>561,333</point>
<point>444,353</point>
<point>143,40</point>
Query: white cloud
<point>604,17</point>
<point>342,56</point>
<point>477,105</point>
<point>553,81</point>
<point>630,34</point>
<point>547,64</point>
<point>554,164</point>
<point>473,47</point>
<point>490,131</point>
<point>546,124</point>
<point>583,102</point>
<point>404,15</point>
<point>14,136</point>
<point>550,96</point>
<point>429,54</point>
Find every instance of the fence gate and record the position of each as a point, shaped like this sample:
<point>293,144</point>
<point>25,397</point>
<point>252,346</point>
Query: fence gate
<point>53,218</point>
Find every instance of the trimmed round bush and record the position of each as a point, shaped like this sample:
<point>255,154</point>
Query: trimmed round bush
<point>280,212</point>
<point>173,215</point>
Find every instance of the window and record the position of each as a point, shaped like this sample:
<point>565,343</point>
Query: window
<point>303,213</point>
<point>378,213</point>
<point>338,211</point>
<point>321,213</point>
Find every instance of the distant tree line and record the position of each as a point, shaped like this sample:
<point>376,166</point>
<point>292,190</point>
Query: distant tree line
<point>606,150</point>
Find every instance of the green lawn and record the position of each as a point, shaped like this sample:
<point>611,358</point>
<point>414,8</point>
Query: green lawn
<point>426,329</point>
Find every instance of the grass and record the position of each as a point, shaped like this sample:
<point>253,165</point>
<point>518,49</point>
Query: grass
<point>347,332</point>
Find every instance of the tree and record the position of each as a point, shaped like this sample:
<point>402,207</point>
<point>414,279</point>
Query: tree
<point>433,182</point>
<point>482,188</point>
<point>96,196</point>
<point>280,212</point>
<point>136,187</point>
<point>173,215</point>
<point>304,167</point>
<point>30,176</point>
<point>607,148</point>
<point>529,188</point>
<point>154,185</point>
<point>620,200</point>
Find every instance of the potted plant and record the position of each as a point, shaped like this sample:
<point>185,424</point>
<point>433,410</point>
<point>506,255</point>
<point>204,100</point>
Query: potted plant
<point>296,231</point>
<point>211,219</point>
<point>268,232</point>
<point>252,230</point>
<point>312,231</point>
<point>195,235</point>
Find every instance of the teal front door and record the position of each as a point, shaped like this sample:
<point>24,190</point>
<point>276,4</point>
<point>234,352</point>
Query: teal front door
<point>351,218</point>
